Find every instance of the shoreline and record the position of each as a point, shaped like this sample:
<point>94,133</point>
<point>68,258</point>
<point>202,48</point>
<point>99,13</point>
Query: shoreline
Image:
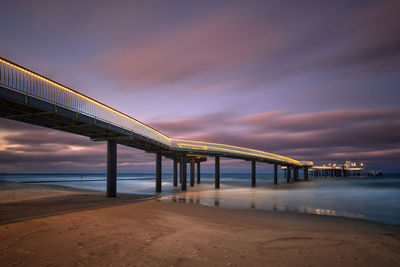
<point>54,190</point>
<point>159,233</point>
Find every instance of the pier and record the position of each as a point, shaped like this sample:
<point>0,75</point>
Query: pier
<point>32,98</point>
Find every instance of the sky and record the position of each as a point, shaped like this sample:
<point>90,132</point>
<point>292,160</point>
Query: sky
<point>312,80</point>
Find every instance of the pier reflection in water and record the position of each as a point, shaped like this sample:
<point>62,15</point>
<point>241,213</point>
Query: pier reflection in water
<point>356,197</point>
<point>372,198</point>
<point>220,200</point>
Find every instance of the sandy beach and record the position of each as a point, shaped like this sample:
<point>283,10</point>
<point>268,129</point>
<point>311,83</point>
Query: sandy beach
<point>44,225</point>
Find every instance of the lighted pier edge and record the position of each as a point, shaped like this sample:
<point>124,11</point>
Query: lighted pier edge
<point>29,97</point>
<point>39,91</point>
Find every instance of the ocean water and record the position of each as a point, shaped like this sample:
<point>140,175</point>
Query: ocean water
<point>365,197</point>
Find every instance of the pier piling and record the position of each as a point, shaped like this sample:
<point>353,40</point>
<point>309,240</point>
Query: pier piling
<point>198,172</point>
<point>296,174</point>
<point>111,168</point>
<point>183,172</point>
<point>158,172</point>
<point>192,172</point>
<point>305,174</point>
<point>175,172</point>
<point>217,172</point>
<point>253,173</point>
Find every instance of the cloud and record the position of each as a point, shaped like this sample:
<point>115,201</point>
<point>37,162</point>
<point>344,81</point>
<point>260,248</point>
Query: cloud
<point>240,57</point>
<point>247,47</point>
<point>189,126</point>
<point>317,136</point>
<point>368,135</point>
<point>279,121</point>
<point>224,40</point>
<point>25,147</point>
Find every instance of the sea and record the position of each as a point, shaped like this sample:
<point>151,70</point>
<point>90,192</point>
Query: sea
<point>374,198</point>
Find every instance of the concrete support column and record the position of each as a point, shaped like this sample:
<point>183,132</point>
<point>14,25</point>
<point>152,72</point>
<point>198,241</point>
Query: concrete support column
<point>306,174</point>
<point>179,168</point>
<point>296,173</point>
<point>111,168</point>
<point>217,172</point>
<point>198,172</point>
<point>275,173</point>
<point>175,172</point>
<point>158,172</point>
<point>289,174</point>
<point>192,172</point>
<point>285,173</point>
<point>253,173</point>
<point>183,172</point>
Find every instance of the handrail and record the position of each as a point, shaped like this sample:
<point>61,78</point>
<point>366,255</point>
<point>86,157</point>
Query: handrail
<point>223,148</point>
<point>33,84</point>
<point>30,83</point>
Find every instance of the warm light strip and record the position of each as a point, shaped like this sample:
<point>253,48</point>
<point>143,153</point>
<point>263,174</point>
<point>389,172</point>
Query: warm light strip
<point>270,155</point>
<point>198,147</point>
<point>238,147</point>
<point>327,168</point>
<point>247,153</point>
<point>81,95</point>
<point>334,168</point>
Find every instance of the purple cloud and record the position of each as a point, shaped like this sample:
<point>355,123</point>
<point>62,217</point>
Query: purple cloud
<point>312,80</point>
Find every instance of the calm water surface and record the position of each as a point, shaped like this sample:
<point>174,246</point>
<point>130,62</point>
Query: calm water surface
<point>370,198</point>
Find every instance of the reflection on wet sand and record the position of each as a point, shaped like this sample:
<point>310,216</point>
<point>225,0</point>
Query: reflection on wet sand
<point>250,199</point>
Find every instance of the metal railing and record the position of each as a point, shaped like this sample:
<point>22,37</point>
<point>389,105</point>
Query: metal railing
<point>208,147</point>
<point>32,84</point>
<point>20,79</point>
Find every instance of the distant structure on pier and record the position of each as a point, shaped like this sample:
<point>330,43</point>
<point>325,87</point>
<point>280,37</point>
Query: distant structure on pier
<point>329,170</point>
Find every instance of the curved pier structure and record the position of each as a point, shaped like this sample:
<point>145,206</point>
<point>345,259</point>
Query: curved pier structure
<point>29,97</point>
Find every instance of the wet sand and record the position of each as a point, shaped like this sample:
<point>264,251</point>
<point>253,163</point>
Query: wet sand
<point>156,233</point>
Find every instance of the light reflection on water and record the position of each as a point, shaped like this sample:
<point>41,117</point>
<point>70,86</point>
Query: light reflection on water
<point>252,198</point>
<point>301,209</point>
<point>372,198</point>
